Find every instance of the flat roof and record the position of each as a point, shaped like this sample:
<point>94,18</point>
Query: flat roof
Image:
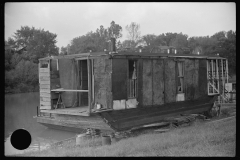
<point>126,54</point>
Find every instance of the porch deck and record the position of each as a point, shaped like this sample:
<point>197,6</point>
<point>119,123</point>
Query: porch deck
<point>81,111</point>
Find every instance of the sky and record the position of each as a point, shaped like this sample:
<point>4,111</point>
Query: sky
<point>73,19</point>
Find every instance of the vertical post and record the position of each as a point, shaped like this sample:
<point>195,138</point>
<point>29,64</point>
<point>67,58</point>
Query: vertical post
<point>217,75</point>
<point>92,80</point>
<point>37,111</point>
<point>89,85</point>
<point>212,81</point>
<point>208,76</point>
<point>222,80</point>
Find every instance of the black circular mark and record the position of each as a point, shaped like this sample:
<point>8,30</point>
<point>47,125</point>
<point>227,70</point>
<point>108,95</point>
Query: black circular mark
<point>21,139</point>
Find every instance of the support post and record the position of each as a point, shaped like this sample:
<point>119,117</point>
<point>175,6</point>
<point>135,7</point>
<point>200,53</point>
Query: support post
<point>37,111</point>
<point>89,85</point>
<point>217,75</point>
<point>222,80</point>
<point>208,76</point>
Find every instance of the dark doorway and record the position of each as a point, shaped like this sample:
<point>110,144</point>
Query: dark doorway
<point>83,81</point>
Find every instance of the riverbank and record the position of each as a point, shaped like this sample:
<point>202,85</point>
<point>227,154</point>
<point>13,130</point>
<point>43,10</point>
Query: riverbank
<point>199,139</point>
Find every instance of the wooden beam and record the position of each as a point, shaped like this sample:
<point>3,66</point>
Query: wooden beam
<point>47,86</point>
<point>89,85</point>
<point>68,90</point>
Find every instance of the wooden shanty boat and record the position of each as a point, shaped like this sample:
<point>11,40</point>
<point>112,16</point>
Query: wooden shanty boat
<point>118,91</point>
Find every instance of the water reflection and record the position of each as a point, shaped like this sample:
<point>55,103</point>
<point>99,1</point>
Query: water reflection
<point>19,112</point>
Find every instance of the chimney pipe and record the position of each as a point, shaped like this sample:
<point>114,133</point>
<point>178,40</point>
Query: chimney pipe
<point>112,45</point>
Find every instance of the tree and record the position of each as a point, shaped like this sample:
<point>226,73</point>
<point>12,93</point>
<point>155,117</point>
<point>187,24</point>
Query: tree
<point>134,35</point>
<point>179,41</point>
<point>150,41</point>
<point>39,43</point>
<point>95,41</point>
<point>21,57</point>
<point>169,37</point>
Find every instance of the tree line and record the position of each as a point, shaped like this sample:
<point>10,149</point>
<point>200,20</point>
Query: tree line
<point>23,50</point>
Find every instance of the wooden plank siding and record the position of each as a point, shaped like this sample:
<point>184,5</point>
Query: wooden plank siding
<point>170,80</point>
<point>45,99</point>
<point>202,78</point>
<point>47,86</point>
<point>147,82</point>
<point>158,82</point>
<point>140,82</point>
<point>44,87</point>
<point>102,69</point>
<point>43,94</point>
<point>44,70</point>
<point>191,79</point>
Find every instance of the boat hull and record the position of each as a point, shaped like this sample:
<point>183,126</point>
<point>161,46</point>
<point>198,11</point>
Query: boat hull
<point>121,120</point>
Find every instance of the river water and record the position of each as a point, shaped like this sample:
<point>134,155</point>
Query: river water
<point>19,112</point>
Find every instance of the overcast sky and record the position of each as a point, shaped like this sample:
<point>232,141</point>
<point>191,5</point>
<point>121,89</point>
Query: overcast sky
<point>71,20</point>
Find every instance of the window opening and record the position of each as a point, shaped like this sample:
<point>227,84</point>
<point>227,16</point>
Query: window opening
<point>180,77</point>
<point>132,79</point>
<point>44,64</point>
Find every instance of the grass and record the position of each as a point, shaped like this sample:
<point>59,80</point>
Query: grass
<point>200,139</point>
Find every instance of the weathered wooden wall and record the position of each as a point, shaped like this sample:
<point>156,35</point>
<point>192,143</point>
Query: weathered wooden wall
<point>102,82</point>
<point>170,80</point>
<point>147,82</point>
<point>191,68</point>
<point>44,86</point>
<point>158,82</point>
<point>140,82</point>
<point>55,80</point>
<point>202,78</point>
<point>152,77</point>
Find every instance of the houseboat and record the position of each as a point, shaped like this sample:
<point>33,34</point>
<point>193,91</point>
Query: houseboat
<point>116,91</point>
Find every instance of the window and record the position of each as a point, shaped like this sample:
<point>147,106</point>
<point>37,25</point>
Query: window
<point>180,77</point>
<point>44,64</point>
<point>132,79</point>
